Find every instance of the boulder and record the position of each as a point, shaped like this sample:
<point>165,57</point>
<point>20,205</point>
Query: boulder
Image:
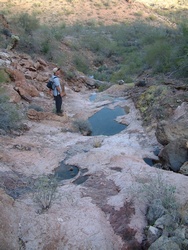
<point>185,245</point>
<point>174,128</point>
<point>184,215</point>
<point>23,94</point>
<point>9,233</point>
<point>174,155</point>
<point>14,96</point>
<point>164,243</point>
<point>165,221</point>
<point>180,232</point>
<point>155,211</point>
<point>30,75</point>
<point>184,168</point>
<point>25,89</point>
<point>153,234</point>
<point>41,78</point>
<point>42,62</point>
<point>38,116</point>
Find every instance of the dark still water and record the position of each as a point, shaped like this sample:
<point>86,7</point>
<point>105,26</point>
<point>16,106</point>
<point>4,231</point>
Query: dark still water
<point>103,122</point>
<point>64,171</point>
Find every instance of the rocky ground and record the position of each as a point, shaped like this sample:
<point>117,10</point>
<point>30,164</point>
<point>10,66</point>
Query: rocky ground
<point>108,209</point>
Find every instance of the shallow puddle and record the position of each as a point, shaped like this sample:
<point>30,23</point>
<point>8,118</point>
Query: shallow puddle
<point>64,171</point>
<point>103,122</point>
<point>150,162</point>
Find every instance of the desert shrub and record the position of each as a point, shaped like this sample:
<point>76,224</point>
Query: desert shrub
<point>81,63</point>
<point>103,87</point>
<point>43,39</point>
<point>103,73</point>
<point>26,23</point>
<point>45,47</point>
<point>45,191</point>
<point>43,42</point>
<point>124,73</point>
<point>97,143</point>
<point>92,43</point>
<point>181,58</point>
<point>101,76</point>
<point>3,41</point>
<point>69,75</point>
<point>158,188</point>
<point>35,107</point>
<point>91,22</point>
<point>98,61</point>
<point>59,58</point>
<point>58,31</point>
<point>152,34</point>
<point>4,76</point>
<point>82,126</point>
<point>9,115</point>
<point>99,43</point>
<point>158,56</point>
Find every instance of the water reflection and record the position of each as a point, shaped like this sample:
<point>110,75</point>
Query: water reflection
<point>65,171</point>
<point>103,122</point>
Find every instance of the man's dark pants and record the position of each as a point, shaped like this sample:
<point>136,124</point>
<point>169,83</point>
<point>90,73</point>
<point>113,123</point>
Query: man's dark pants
<point>58,103</point>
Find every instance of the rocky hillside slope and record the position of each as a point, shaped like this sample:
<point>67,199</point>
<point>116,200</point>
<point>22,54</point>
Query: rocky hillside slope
<point>105,11</point>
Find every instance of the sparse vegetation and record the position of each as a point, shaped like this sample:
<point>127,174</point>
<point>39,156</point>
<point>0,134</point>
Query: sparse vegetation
<point>81,63</point>
<point>82,126</point>
<point>159,189</point>
<point>4,78</point>
<point>9,115</point>
<point>97,143</point>
<point>35,107</point>
<point>133,47</point>
<point>45,192</point>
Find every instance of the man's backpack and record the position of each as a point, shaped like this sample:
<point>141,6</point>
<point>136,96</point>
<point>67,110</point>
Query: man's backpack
<point>50,83</point>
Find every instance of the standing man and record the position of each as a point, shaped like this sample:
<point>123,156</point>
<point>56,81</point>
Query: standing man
<point>58,91</point>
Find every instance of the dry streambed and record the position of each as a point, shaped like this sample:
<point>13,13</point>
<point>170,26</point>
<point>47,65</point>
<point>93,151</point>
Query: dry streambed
<point>101,210</point>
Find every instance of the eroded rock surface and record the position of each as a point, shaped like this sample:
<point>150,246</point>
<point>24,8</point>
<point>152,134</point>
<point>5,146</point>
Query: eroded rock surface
<point>104,211</point>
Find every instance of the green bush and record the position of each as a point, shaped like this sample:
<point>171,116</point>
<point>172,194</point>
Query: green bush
<point>82,126</point>
<point>4,77</point>
<point>181,56</point>
<point>134,47</point>
<point>9,115</point>
<point>81,63</point>
<point>26,23</point>
<point>99,44</point>
<point>35,107</point>
<point>102,88</point>
<point>157,189</point>
<point>45,192</point>
<point>158,56</point>
<point>101,76</point>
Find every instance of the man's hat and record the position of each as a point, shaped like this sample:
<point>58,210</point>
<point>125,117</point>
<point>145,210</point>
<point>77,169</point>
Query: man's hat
<point>55,70</point>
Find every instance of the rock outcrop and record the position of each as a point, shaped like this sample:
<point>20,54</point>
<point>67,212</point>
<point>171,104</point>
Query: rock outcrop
<point>173,134</point>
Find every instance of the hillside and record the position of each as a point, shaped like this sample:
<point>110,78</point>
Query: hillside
<point>139,43</point>
<point>101,11</point>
